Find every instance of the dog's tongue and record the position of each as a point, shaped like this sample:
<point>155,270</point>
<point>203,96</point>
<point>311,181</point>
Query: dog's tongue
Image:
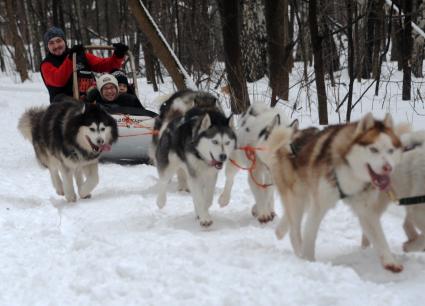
<point>381,181</point>
<point>218,165</point>
<point>105,148</point>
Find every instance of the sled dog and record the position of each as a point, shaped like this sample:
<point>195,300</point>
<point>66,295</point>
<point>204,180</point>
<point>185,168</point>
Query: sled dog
<point>199,142</point>
<point>68,138</point>
<point>252,125</point>
<point>177,105</point>
<point>407,183</point>
<point>352,162</point>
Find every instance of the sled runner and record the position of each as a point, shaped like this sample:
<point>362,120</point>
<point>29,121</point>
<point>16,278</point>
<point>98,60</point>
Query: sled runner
<point>135,126</point>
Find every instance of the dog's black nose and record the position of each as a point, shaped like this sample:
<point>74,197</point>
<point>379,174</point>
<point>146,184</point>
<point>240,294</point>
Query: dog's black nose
<point>100,141</point>
<point>222,157</point>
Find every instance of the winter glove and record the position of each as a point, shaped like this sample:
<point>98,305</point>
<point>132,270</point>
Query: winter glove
<point>120,50</point>
<point>77,49</point>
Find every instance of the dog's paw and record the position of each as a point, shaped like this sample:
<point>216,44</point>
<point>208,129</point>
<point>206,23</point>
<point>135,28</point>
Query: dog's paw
<point>71,198</point>
<point>365,242</point>
<point>267,217</point>
<point>205,222</point>
<point>393,267</point>
<point>60,192</point>
<point>160,201</point>
<point>415,245</point>
<point>87,196</point>
<point>223,200</point>
<point>280,232</point>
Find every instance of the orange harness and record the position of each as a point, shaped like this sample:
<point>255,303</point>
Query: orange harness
<point>128,121</point>
<point>251,156</point>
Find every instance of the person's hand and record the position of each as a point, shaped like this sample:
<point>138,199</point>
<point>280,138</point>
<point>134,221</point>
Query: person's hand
<point>77,49</point>
<point>120,49</point>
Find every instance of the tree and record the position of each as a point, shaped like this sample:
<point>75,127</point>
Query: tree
<point>19,53</point>
<point>159,45</point>
<point>406,49</point>
<point>279,48</point>
<point>230,20</point>
<point>316,41</point>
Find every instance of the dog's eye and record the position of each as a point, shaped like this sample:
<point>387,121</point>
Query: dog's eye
<point>92,129</point>
<point>215,142</point>
<point>374,150</point>
<point>227,143</point>
<point>390,151</point>
<point>102,129</point>
<point>247,130</point>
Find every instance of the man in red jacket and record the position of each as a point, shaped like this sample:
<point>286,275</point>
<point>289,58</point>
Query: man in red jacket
<point>56,68</point>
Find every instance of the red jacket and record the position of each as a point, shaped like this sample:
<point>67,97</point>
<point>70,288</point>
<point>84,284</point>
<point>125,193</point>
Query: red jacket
<point>56,71</point>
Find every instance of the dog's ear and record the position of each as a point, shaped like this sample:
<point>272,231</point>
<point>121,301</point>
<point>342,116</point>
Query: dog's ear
<point>230,121</point>
<point>295,124</point>
<point>365,123</point>
<point>203,125</point>
<point>269,128</point>
<point>388,121</point>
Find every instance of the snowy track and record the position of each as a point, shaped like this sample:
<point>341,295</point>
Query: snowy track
<point>118,248</point>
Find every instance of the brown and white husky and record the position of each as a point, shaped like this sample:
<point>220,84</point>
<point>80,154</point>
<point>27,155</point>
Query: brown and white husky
<point>352,162</point>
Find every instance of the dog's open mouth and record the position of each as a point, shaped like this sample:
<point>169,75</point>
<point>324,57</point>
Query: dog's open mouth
<point>381,181</point>
<point>215,163</point>
<point>100,148</point>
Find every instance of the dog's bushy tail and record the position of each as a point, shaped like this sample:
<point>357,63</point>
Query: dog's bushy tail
<point>280,138</point>
<point>28,120</point>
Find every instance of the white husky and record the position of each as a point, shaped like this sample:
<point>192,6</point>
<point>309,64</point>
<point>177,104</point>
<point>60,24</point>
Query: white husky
<point>253,125</point>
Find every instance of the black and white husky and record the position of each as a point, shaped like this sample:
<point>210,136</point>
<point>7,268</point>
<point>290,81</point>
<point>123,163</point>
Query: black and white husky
<point>199,142</point>
<point>68,138</point>
<point>176,105</point>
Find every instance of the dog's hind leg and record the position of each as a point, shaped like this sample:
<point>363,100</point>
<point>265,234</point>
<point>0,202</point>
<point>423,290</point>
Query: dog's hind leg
<point>294,213</point>
<point>56,180</point>
<point>182,180</point>
<point>91,172</point>
<point>230,173</point>
<point>165,176</point>
<point>68,184</point>
<point>416,241</point>
<point>282,227</point>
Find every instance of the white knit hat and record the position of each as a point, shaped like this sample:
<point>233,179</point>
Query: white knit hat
<point>106,79</point>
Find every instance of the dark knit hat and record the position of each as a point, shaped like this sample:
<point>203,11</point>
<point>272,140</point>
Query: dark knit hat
<point>120,76</point>
<point>51,33</point>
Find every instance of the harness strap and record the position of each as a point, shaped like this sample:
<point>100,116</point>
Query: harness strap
<point>412,200</point>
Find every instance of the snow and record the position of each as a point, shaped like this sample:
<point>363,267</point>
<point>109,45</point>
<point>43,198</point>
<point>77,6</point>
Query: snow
<point>118,248</point>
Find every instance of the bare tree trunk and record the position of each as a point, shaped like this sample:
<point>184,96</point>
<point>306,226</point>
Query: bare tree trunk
<point>159,45</point>
<point>19,53</point>
<point>253,40</point>
<point>349,5</point>
<point>418,41</point>
<point>378,37</point>
<point>316,41</point>
<point>230,19</point>
<point>407,49</point>
<point>279,48</point>
<point>82,24</point>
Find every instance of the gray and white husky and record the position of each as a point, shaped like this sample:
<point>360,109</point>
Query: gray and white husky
<point>199,142</point>
<point>68,138</point>
<point>176,105</point>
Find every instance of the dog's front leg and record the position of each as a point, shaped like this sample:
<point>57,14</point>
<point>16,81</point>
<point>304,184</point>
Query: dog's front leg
<point>200,196</point>
<point>371,225</point>
<point>263,209</point>
<point>56,180</point>
<point>230,173</point>
<point>68,184</point>
<point>91,173</point>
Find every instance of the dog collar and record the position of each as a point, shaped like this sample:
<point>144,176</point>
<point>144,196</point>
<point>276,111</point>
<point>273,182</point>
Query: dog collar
<point>412,200</point>
<point>342,194</point>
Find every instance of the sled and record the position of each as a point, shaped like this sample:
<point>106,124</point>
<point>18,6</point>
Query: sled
<point>134,127</point>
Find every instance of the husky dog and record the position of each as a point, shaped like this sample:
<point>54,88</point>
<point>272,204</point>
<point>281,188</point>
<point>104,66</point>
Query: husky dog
<point>253,125</point>
<point>68,138</point>
<point>352,162</point>
<point>408,182</point>
<point>174,106</point>
<point>198,142</point>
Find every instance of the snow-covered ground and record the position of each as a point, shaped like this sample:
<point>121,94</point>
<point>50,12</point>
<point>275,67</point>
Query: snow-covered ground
<point>118,248</point>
